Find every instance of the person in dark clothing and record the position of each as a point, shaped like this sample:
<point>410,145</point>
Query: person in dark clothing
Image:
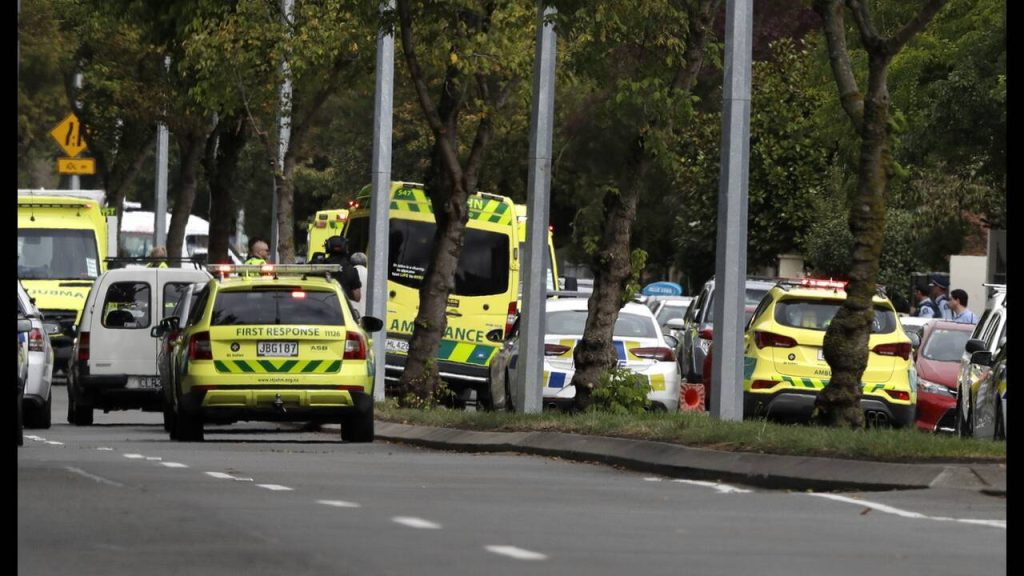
<point>336,248</point>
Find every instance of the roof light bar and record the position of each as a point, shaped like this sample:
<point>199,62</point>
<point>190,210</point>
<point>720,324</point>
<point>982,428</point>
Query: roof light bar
<point>818,283</point>
<point>223,270</point>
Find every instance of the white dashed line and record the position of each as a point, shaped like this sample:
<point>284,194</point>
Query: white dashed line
<point>412,522</point>
<point>156,458</point>
<point>174,465</point>
<point>276,487</point>
<point>105,449</point>
<point>54,443</point>
<point>722,488</point>
<point>99,479</point>
<point>517,553</point>
<point>220,475</point>
<point>34,437</point>
<point>338,503</point>
<point>908,514</point>
<point>134,456</point>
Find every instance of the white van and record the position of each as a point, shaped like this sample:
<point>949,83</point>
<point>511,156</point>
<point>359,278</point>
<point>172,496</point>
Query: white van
<point>137,236</point>
<point>114,359</point>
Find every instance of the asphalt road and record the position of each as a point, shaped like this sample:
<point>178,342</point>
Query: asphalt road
<point>121,498</point>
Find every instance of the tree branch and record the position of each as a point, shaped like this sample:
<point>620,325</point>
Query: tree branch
<point>922,19</point>
<point>868,35</point>
<point>699,24</point>
<point>851,98</point>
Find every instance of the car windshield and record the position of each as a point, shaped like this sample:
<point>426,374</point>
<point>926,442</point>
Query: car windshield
<point>279,306</point>
<point>817,315</point>
<point>669,312</point>
<point>574,321</point>
<point>945,345</point>
<point>57,254</point>
<point>483,266</point>
<point>752,299</point>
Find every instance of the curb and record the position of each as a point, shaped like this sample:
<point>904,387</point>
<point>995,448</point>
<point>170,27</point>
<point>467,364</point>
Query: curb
<point>777,472</point>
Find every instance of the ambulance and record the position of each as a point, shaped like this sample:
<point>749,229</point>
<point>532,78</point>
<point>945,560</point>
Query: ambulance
<point>487,282</point>
<point>62,246</point>
<point>325,223</point>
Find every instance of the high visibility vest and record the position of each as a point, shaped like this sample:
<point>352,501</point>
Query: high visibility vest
<point>254,261</point>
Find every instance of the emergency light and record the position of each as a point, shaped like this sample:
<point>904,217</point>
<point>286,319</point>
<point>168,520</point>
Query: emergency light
<point>275,270</point>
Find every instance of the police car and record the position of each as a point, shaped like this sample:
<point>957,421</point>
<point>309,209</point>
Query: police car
<point>273,343</point>
<point>784,366</point>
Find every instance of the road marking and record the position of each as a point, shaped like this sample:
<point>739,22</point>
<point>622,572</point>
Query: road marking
<point>338,503</point>
<point>134,456</point>
<point>412,522</point>
<point>722,488</point>
<point>276,487</point>
<point>221,475</point>
<point>105,449</point>
<point>34,437</point>
<point>908,514</point>
<point>157,458</point>
<point>174,464</point>
<point>54,443</point>
<point>94,477</point>
<point>517,553</point>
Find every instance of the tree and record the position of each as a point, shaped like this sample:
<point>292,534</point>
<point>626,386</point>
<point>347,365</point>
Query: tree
<point>485,54</point>
<point>846,341</point>
<point>639,62</point>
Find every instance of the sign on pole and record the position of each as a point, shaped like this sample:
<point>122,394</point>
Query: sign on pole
<point>76,165</point>
<point>68,135</point>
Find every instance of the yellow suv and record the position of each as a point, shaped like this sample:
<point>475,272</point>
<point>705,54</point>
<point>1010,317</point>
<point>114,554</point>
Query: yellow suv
<point>272,343</point>
<point>784,368</point>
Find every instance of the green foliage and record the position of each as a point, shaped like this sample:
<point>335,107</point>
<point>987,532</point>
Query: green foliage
<point>621,391</point>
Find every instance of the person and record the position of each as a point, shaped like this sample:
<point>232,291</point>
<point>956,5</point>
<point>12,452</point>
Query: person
<point>939,286</point>
<point>926,308</point>
<point>958,307</point>
<point>337,253</point>
<point>157,257</point>
<point>359,263</point>
<point>258,250</point>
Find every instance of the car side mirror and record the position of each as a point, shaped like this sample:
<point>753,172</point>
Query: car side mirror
<point>24,325</point>
<point>371,323</point>
<point>671,340</point>
<point>915,340</point>
<point>974,345</point>
<point>982,358</point>
<point>496,335</point>
<point>158,331</point>
<point>676,324</point>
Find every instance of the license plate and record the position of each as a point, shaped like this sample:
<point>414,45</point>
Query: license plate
<point>277,348</point>
<point>143,381</point>
<point>821,353</point>
<point>396,345</point>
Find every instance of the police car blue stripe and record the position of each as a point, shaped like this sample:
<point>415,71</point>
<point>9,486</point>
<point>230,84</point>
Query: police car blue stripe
<point>556,380</point>
<point>620,350</point>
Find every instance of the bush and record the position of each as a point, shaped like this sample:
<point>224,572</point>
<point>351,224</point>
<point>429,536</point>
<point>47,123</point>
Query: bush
<point>621,391</point>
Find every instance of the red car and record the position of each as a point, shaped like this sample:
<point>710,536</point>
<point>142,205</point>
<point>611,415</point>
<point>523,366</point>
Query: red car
<point>938,363</point>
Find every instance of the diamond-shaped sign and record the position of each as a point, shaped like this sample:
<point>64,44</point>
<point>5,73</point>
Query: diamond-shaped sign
<point>69,135</point>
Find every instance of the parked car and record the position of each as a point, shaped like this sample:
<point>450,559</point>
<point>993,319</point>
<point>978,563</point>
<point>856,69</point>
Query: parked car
<point>114,360</point>
<point>168,333</point>
<point>937,360</point>
<point>914,327</point>
<point>785,368</point>
<point>638,340</point>
<point>975,397</point>
<point>986,398</point>
<point>24,326</point>
<point>667,309</point>
<point>37,398</point>
<point>698,327</point>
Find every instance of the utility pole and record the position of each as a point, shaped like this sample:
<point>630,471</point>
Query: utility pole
<point>731,249</point>
<point>529,377</point>
<point>160,205</point>
<point>377,251</point>
<point>285,132</point>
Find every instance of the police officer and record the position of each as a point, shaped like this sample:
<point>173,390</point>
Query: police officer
<point>336,248</point>
<point>157,255</point>
<point>258,250</point>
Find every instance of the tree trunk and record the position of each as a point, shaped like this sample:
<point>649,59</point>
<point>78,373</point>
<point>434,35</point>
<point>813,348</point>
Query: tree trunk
<point>191,146</point>
<point>595,354</point>
<point>285,210</point>
<point>221,164</point>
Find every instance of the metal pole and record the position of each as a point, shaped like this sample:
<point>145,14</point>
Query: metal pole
<point>78,104</point>
<point>160,206</point>
<point>529,376</point>
<point>731,252</point>
<point>285,131</point>
<point>376,289</point>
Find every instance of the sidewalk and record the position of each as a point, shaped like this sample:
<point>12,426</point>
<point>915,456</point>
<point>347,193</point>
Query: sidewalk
<point>764,470</point>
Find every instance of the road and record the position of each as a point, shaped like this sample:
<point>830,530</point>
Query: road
<point>120,498</point>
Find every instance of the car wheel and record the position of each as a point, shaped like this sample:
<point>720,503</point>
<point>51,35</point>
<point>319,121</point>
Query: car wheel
<point>358,427</point>
<point>21,432</point>
<point>39,417</point>
<point>77,414</point>
<point>510,406</point>
<point>1000,429</point>
<point>169,419</point>
<point>960,423</point>
<point>484,398</point>
<point>188,427</point>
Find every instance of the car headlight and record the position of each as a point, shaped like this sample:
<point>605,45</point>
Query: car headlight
<point>934,388</point>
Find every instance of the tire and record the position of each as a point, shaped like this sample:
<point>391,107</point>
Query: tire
<point>188,427</point>
<point>38,417</point>
<point>510,405</point>
<point>21,431</point>
<point>169,420</point>
<point>962,425</point>
<point>77,414</point>
<point>358,427</point>
<point>1000,430</point>
<point>484,397</point>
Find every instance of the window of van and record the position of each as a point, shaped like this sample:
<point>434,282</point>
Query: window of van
<point>483,267</point>
<point>285,305</point>
<point>126,305</point>
<point>57,254</point>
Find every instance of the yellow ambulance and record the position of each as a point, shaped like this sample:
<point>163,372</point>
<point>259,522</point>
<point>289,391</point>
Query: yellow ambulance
<point>325,223</point>
<point>62,246</point>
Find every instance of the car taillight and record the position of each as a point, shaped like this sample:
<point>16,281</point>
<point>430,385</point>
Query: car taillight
<point>83,347</point>
<point>706,333</point>
<point>765,339</point>
<point>35,341</point>
<point>762,384</point>
<point>899,394</point>
<point>555,349</point>
<point>901,349</point>
<point>660,354</point>
<point>355,346</point>
<point>513,311</point>
<point>199,347</point>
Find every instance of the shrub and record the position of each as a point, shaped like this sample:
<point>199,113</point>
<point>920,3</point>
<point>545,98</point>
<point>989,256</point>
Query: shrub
<point>621,391</point>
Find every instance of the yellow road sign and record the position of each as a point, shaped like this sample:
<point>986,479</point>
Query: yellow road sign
<point>69,135</point>
<point>76,165</point>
